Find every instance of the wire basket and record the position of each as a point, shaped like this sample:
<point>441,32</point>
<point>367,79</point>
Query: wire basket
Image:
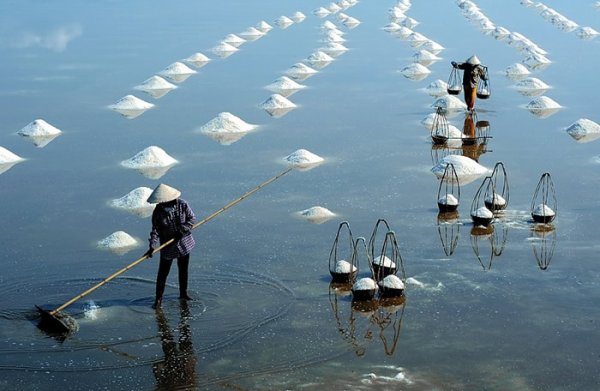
<point>364,289</point>
<point>342,269</point>
<point>497,193</point>
<point>454,82</point>
<point>386,267</point>
<point>440,127</point>
<point>448,197</point>
<point>543,204</point>
<point>484,90</point>
<point>479,213</point>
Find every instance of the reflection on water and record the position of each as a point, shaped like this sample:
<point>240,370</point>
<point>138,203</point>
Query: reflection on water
<point>543,243</point>
<point>178,367</point>
<point>494,241</point>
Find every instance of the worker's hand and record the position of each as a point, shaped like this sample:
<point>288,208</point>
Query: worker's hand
<point>454,64</point>
<point>149,252</point>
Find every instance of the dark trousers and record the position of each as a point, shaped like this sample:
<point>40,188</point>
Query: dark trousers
<point>163,272</point>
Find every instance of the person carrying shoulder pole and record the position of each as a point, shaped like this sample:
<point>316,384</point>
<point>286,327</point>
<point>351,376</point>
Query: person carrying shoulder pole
<point>172,218</point>
<point>473,71</point>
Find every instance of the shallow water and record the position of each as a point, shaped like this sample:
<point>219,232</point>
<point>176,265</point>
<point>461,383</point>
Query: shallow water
<point>513,310</point>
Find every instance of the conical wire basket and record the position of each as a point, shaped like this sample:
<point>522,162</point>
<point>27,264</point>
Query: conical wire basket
<point>544,205</point>
<point>342,263</point>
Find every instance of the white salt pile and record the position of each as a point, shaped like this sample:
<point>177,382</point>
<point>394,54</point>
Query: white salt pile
<point>284,86</point>
<point>428,121</point>
<point>584,130</point>
<point>298,17</point>
<point>251,34</point>
<point>39,132</point>
<point>500,33</point>
<point>150,157</point>
<point>409,22</point>
<point>351,22</point>
<point>449,102</point>
<point>543,210</point>
<point>334,49</point>
<point>416,39</point>
<point>321,12</point>
<point>543,106</point>
<point>364,284</point>
<point>432,47</point>
<point>224,50</point>
<point>226,122</point>
<point>264,26</point>
<point>403,33</point>
<point>517,71</point>
<point>415,71</point>
<point>391,282</point>
<point>177,72</point>
<point>135,202</point>
<point>333,8</point>
<point>344,267</point>
<point>277,106</point>
<point>333,36</point>
<point>467,170</point>
<point>483,213</point>
<point>303,159</point>
<point>300,71</point>
<point>197,60</point>
<point>130,106</point>
<point>586,33</point>
<point>91,310</point>
<point>119,242</point>
<point>437,88</point>
<point>384,261</point>
<point>284,22</point>
<point>317,214</point>
<point>496,199</point>
<point>233,40</point>
<point>536,61</point>
<point>531,86</point>
<point>329,25</point>
<point>448,199</point>
<point>156,87</point>
<point>7,157</point>
<point>319,59</point>
<point>425,57</point>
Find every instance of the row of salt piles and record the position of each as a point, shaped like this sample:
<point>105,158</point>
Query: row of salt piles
<point>334,8</point>
<point>560,21</point>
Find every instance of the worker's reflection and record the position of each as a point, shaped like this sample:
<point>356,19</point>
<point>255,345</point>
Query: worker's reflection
<point>178,368</point>
<point>473,144</point>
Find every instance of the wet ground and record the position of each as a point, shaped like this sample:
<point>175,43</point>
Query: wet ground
<point>512,309</point>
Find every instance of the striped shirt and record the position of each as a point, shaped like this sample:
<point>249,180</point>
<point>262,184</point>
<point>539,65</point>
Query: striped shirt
<point>169,219</point>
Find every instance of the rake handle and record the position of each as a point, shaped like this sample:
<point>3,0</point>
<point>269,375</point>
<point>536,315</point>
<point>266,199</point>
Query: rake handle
<point>170,241</point>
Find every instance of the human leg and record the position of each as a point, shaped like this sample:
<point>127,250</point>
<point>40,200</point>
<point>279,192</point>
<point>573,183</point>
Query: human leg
<point>470,95</point>
<point>183,266</point>
<point>161,280</point>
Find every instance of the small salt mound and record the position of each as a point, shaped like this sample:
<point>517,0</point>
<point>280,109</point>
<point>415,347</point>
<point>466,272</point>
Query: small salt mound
<point>284,86</point>
<point>517,71</point>
<point>119,242</point>
<point>428,121</point>
<point>437,88</point>
<point>467,170</point>
<point>536,61</point>
<point>586,33</point>
<point>531,86</point>
<point>319,59</point>
<point>543,106</point>
<point>416,39</point>
<point>415,71</point>
<point>317,214</point>
<point>500,33</point>
<point>333,8</point>
<point>328,25</point>
<point>135,202</point>
<point>91,310</point>
<point>344,267</point>
<point>264,26</point>
<point>277,105</point>
<point>403,33</point>
<point>584,130</point>
<point>226,123</point>
<point>251,34</point>
<point>283,22</point>
<point>300,71</point>
<point>543,210</point>
<point>321,12</point>
<point>334,49</point>
<point>298,17</point>
<point>37,128</point>
<point>7,157</point>
<point>483,213</point>
<point>384,261</point>
<point>364,284</point>
<point>233,40</point>
<point>156,87</point>
<point>303,159</point>
<point>351,22</point>
<point>392,282</point>
<point>130,106</point>
<point>496,199</point>
<point>448,199</point>
<point>177,72</point>
<point>425,57</point>
<point>432,47</point>
<point>224,50</point>
<point>391,27</point>
<point>197,60</point>
<point>449,102</point>
<point>333,36</point>
<point>149,158</point>
<point>409,22</point>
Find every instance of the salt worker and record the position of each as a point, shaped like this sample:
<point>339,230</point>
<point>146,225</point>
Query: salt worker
<point>473,70</point>
<point>172,218</point>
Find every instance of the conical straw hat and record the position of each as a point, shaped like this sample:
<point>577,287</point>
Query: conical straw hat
<point>473,60</point>
<point>163,193</point>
